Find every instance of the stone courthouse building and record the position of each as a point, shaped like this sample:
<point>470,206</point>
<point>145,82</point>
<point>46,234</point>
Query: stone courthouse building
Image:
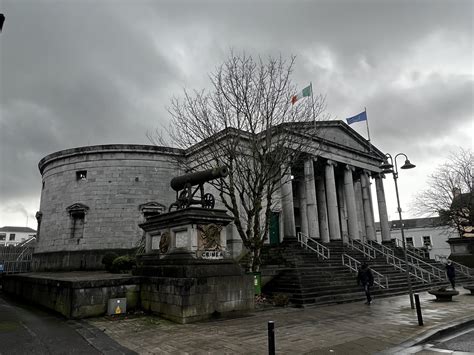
<point>93,198</point>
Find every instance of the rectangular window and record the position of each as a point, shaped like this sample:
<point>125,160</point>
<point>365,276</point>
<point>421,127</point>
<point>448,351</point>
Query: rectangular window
<point>81,175</point>
<point>77,227</point>
<point>3,236</point>
<point>409,240</point>
<point>426,240</point>
<point>12,236</point>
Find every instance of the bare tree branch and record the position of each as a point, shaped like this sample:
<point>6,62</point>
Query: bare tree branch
<point>449,191</point>
<point>246,123</point>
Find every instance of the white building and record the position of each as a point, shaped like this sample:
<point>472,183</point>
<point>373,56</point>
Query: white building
<point>429,234</point>
<point>15,235</point>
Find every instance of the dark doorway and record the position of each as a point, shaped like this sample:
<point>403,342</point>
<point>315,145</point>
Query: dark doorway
<point>275,228</point>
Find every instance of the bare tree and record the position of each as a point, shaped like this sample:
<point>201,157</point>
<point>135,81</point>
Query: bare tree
<point>248,124</point>
<point>449,191</point>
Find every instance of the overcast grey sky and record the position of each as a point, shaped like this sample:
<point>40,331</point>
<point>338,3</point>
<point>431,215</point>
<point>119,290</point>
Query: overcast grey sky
<point>85,72</point>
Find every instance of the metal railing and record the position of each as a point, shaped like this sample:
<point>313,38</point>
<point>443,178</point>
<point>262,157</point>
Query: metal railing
<point>459,267</point>
<point>382,249</point>
<point>15,259</point>
<point>411,250</point>
<point>354,265</point>
<point>418,268</point>
<point>364,248</point>
<point>311,244</point>
<point>440,274</point>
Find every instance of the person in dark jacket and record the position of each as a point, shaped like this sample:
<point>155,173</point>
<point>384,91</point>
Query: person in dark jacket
<point>366,279</point>
<point>451,273</point>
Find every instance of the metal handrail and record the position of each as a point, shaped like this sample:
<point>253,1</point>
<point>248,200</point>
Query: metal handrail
<point>415,270</point>
<point>461,268</point>
<point>410,248</point>
<point>366,249</point>
<point>317,247</point>
<point>423,264</point>
<point>418,271</point>
<point>415,251</point>
<point>16,259</point>
<point>354,265</point>
<point>383,249</point>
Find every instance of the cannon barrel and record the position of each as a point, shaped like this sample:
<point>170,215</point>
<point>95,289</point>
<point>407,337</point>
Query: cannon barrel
<point>200,177</point>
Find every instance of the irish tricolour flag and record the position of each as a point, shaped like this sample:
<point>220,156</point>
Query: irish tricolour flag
<point>305,93</point>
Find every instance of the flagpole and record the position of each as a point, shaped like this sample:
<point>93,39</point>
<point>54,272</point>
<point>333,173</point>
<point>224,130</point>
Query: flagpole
<point>368,132</point>
<point>312,102</point>
<point>312,106</point>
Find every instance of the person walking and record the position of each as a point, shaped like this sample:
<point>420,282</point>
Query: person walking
<point>451,273</point>
<point>366,279</point>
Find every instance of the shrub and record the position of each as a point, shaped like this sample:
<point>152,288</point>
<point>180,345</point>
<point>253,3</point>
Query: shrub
<point>281,300</point>
<point>123,264</point>
<point>108,259</point>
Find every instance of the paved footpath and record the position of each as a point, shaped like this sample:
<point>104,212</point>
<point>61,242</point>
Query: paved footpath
<point>351,328</point>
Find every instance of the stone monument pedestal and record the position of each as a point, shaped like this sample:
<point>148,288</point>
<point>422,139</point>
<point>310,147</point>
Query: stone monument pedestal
<point>190,277</point>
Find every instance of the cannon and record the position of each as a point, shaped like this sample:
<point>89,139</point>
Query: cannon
<point>183,185</point>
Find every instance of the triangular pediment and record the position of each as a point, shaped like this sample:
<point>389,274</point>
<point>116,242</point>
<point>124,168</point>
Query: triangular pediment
<point>338,134</point>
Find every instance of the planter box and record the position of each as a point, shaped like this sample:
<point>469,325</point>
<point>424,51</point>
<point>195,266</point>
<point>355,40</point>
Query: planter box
<point>470,288</point>
<point>443,296</point>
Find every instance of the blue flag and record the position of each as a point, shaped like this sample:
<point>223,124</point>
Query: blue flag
<point>357,118</point>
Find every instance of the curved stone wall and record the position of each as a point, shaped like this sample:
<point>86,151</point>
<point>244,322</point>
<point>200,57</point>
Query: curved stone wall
<point>93,199</point>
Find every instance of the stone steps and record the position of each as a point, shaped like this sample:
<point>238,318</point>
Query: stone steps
<point>310,280</point>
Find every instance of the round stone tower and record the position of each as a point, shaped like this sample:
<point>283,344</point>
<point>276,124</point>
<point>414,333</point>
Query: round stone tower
<point>93,199</point>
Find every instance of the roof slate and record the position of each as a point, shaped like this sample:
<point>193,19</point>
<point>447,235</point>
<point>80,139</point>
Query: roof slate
<point>17,229</point>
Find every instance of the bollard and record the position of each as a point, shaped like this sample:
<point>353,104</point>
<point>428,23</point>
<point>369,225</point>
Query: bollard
<point>418,309</point>
<point>271,337</point>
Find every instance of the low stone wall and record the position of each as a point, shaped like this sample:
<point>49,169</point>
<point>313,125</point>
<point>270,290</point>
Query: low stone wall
<point>180,299</point>
<point>186,300</point>
<point>74,297</point>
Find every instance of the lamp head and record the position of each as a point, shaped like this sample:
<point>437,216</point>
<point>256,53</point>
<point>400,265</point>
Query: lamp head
<point>407,165</point>
<point>386,167</point>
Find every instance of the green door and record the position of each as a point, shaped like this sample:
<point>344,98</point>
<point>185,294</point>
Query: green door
<point>275,228</point>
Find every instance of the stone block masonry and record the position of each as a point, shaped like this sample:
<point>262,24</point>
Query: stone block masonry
<point>74,295</point>
<point>85,294</point>
<point>186,300</point>
<point>92,200</point>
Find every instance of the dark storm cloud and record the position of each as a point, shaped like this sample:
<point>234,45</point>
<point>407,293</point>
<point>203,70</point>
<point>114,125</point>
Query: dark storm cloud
<point>86,72</point>
<point>70,77</point>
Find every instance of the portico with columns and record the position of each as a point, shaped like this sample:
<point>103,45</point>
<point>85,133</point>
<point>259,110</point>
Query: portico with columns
<point>327,196</point>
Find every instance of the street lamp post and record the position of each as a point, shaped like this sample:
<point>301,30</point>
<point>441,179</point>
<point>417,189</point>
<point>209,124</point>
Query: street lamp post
<point>391,167</point>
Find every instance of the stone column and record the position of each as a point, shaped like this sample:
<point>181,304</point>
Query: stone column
<point>287,205</point>
<point>362,234</point>
<point>322,209</point>
<point>368,215</point>
<point>351,203</point>
<point>303,210</point>
<point>341,202</point>
<point>311,202</point>
<point>331,199</point>
<point>383,215</point>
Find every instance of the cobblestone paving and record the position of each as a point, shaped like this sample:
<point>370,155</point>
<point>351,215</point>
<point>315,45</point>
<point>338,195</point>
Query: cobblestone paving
<point>351,328</point>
